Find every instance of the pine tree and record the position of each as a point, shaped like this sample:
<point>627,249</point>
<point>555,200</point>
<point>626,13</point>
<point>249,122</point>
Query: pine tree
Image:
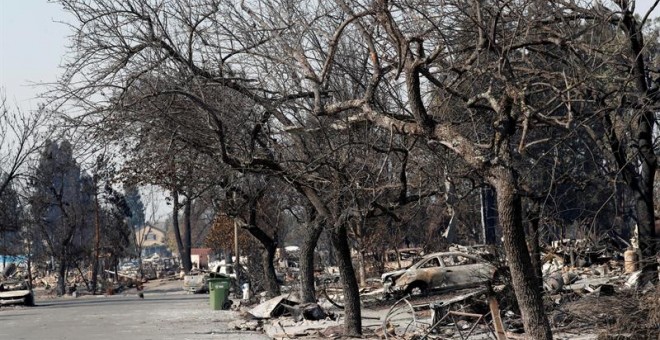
<point>59,204</point>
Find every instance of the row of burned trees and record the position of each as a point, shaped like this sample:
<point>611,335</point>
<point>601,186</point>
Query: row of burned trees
<point>63,219</point>
<point>351,114</point>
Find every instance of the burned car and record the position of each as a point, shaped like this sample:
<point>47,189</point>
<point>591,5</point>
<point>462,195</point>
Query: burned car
<point>439,271</point>
<point>16,292</point>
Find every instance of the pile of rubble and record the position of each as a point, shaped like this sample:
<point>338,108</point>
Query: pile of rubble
<point>151,268</point>
<point>276,312</point>
<point>285,317</point>
<point>593,288</point>
<point>78,280</point>
<point>590,290</point>
<point>583,268</point>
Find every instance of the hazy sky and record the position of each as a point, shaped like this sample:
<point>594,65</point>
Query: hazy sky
<point>32,43</point>
<point>31,48</point>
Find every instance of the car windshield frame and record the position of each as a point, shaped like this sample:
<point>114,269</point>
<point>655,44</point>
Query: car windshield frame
<point>425,259</point>
<point>473,260</point>
<point>418,264</point>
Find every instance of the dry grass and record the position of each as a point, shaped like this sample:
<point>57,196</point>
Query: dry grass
<point>627,315</point>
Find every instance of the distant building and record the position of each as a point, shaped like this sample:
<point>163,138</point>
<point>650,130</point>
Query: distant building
<point>200,257</point>
<point>152,240</point>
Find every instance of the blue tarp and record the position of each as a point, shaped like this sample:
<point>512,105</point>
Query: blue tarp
<point>10,259</point>
<point>6,259</point>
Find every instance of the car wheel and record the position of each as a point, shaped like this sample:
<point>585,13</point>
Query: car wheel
<point>29,300</point>
<point>417,289</point>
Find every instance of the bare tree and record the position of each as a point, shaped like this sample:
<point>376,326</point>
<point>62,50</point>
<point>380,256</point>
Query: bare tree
<point>644,104</point>
<point>628,113</point>
<point>519,74</point>
<point>256,204</point>
<point>22,136</point>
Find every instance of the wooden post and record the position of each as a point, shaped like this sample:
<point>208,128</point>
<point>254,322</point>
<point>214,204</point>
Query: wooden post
<point>97,241</point>
<point>497,319</point>
<point>236,244</point>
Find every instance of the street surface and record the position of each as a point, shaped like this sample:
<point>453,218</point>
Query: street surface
<point>160,315</point>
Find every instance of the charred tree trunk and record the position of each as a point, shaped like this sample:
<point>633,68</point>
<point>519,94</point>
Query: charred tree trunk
<point>525,282</point>
<point>647,236</point>
<point>488,215</point>
<point>140,265</point>
<point>307,288</point>
<point>267,258</point>
<point>270,245</point>
<point>353,318</point>
<point>185,258</point>
<point>115,261</point>
<point>187,235</point>
<point>533,242</point>
<point>358,234</point>
<point>95,273</point>
<point>229,262</point>
<point>362,268</point>
<point>29,270</point>
<point>642,185</point>
<point>61,279</point>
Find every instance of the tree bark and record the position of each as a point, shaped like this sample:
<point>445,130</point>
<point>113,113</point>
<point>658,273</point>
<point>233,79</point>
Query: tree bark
<point>525,282</point>
<point>95,273</point>
<point>307,287</point>
<point>61,279</point>
<point>533,242</point>
<point>115,262</point>
<point>488,215</point>
<point>185,258</point>
<point>267,257</point>
<point>229,262</point>
<point>270,245</point>
<point>187,235</point>
<point>358,235</point>
<point>29,270</point>
<point>353,318</point>
<point>362,268</point>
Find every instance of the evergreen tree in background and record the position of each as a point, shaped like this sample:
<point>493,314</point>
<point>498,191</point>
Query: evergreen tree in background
<point>134,202</point>
<point>59,204</point>
<point>11,214</point>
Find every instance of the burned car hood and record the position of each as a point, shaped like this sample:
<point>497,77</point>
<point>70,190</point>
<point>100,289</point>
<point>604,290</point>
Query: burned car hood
<point>393,274</point>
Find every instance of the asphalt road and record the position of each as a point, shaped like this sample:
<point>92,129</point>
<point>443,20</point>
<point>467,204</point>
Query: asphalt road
<point>157,316</point>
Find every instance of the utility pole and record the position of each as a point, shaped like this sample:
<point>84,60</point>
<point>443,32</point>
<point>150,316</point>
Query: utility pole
<point>236,244</point>
<point>236,238</point>
<point>97,243</point>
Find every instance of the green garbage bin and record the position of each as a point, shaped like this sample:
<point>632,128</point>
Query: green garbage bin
<point>218,291</point>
